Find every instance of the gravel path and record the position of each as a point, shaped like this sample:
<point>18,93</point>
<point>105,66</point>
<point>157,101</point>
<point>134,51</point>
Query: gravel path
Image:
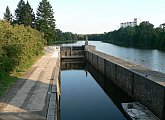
<point>28,99</point>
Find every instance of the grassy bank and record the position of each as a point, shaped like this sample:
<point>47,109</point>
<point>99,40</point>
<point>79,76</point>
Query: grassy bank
<point>8,79</point>
<point>20,46</point>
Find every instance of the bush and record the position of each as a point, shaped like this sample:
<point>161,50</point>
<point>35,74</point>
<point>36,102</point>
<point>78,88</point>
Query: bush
<point>18,44</point>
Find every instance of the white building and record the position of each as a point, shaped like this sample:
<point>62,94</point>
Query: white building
<point>162,26</point>
<point>136,21</point>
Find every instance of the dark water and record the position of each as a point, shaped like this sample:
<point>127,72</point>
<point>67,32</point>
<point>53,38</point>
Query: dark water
<point>87,95</point>
<point>152,59</point>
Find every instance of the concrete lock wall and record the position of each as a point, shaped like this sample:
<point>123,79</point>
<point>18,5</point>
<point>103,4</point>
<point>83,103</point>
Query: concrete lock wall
<point>142,88</point>
<point>124,79</point>
<point>150,94</point>
<point>72,51</point>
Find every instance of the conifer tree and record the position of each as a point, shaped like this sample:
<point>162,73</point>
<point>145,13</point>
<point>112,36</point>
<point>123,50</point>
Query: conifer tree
<point>28,17</point>
<point>19,12</point>
<point>7,15</point>
<point>24,14</point>
<point>45,21</point>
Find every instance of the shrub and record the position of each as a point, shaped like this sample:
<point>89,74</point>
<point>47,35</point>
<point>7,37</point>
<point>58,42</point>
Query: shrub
<point>18,44</point>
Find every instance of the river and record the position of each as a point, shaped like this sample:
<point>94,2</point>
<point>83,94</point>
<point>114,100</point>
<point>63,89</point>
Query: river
<point>152,59</point>
<point>87,95</point>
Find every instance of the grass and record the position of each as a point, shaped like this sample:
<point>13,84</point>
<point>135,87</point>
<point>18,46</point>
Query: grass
<point>7,80</point>
<point>20,71</point>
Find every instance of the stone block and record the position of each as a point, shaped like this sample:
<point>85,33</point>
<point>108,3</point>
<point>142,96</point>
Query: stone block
<point>101,65</point>
<point>94,60</point>
<point>110,70</point>
<point>90,57</point>
<point>149,93</point>
<point>124,79</point>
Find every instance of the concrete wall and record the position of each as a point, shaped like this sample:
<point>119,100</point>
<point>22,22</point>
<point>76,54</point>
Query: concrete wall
<point>148,90</point>
<point>71,51</point>
<point>150,93</point>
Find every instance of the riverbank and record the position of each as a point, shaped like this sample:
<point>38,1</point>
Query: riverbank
<point>152,59</point>
<point>132,46</point>
<point>144,36</point>
<point>65,42</point>
<point>29,97</point>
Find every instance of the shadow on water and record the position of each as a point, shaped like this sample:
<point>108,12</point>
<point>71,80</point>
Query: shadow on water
<point>115,94</point>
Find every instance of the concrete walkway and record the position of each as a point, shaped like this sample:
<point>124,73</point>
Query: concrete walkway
<point>30,96</point>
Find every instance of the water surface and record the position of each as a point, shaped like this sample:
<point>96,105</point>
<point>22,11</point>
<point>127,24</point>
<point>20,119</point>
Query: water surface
<point>152,59</point>
<point>87,95</point>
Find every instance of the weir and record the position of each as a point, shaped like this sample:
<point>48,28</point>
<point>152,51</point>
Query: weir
<point>141,84</point>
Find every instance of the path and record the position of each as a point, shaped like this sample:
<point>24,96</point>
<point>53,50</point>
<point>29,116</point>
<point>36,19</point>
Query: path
<point>31,95</point>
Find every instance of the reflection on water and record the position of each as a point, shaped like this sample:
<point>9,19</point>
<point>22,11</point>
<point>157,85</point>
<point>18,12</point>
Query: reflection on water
<point>153,59</point>
<point>87,95</point>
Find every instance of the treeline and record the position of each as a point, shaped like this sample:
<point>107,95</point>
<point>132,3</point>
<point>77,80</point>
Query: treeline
<point>67,36</point>
<point>142,36</point>
<point>18,45</point>
<point>43,21</point>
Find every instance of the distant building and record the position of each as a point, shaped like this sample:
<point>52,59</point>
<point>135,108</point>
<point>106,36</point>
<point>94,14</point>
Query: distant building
<point>162,25</point>
<point>130,24</point>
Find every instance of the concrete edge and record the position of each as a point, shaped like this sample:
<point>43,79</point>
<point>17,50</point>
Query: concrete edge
<point>152,78</point>
<point>52,113</point>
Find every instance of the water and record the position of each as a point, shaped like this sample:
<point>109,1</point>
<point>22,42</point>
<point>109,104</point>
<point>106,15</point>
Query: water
<point>87,95</point>
<point>152,59</point>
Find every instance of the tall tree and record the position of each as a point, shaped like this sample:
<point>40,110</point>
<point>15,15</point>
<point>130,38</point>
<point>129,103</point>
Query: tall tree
<point>28,17</point>
<point>24,14</point>
<point>19,12</point>
<point>45,21</point>
<point>7,15</point>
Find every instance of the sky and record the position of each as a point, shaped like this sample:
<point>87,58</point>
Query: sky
<point>97,16</point>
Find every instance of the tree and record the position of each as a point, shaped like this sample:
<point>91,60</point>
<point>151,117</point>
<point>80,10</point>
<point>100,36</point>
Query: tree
<point>145,35</point>
<point>28,17</point>
<point>18,44</point>
<point>7,15</point>
<point>24,14</point>
<point>59,35</point>
<point>45,21</point>
<point>19,12</point>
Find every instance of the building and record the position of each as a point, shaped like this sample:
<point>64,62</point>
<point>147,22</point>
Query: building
<point>162,25</point>
<point>130,24</point>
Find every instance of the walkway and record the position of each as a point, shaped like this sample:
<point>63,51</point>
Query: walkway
<point>29,98</point>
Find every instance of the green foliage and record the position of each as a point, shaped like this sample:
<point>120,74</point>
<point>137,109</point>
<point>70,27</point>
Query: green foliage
<point>19,12</point>
<point>45,21</point>
<point>29,16</point>
<point>142,36</point>
<point>65,42</point>
<point>6,81</point>
<point>18,44</point>
<point>67,37</point>
<point>24,14</point>
<point>7,15</point>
